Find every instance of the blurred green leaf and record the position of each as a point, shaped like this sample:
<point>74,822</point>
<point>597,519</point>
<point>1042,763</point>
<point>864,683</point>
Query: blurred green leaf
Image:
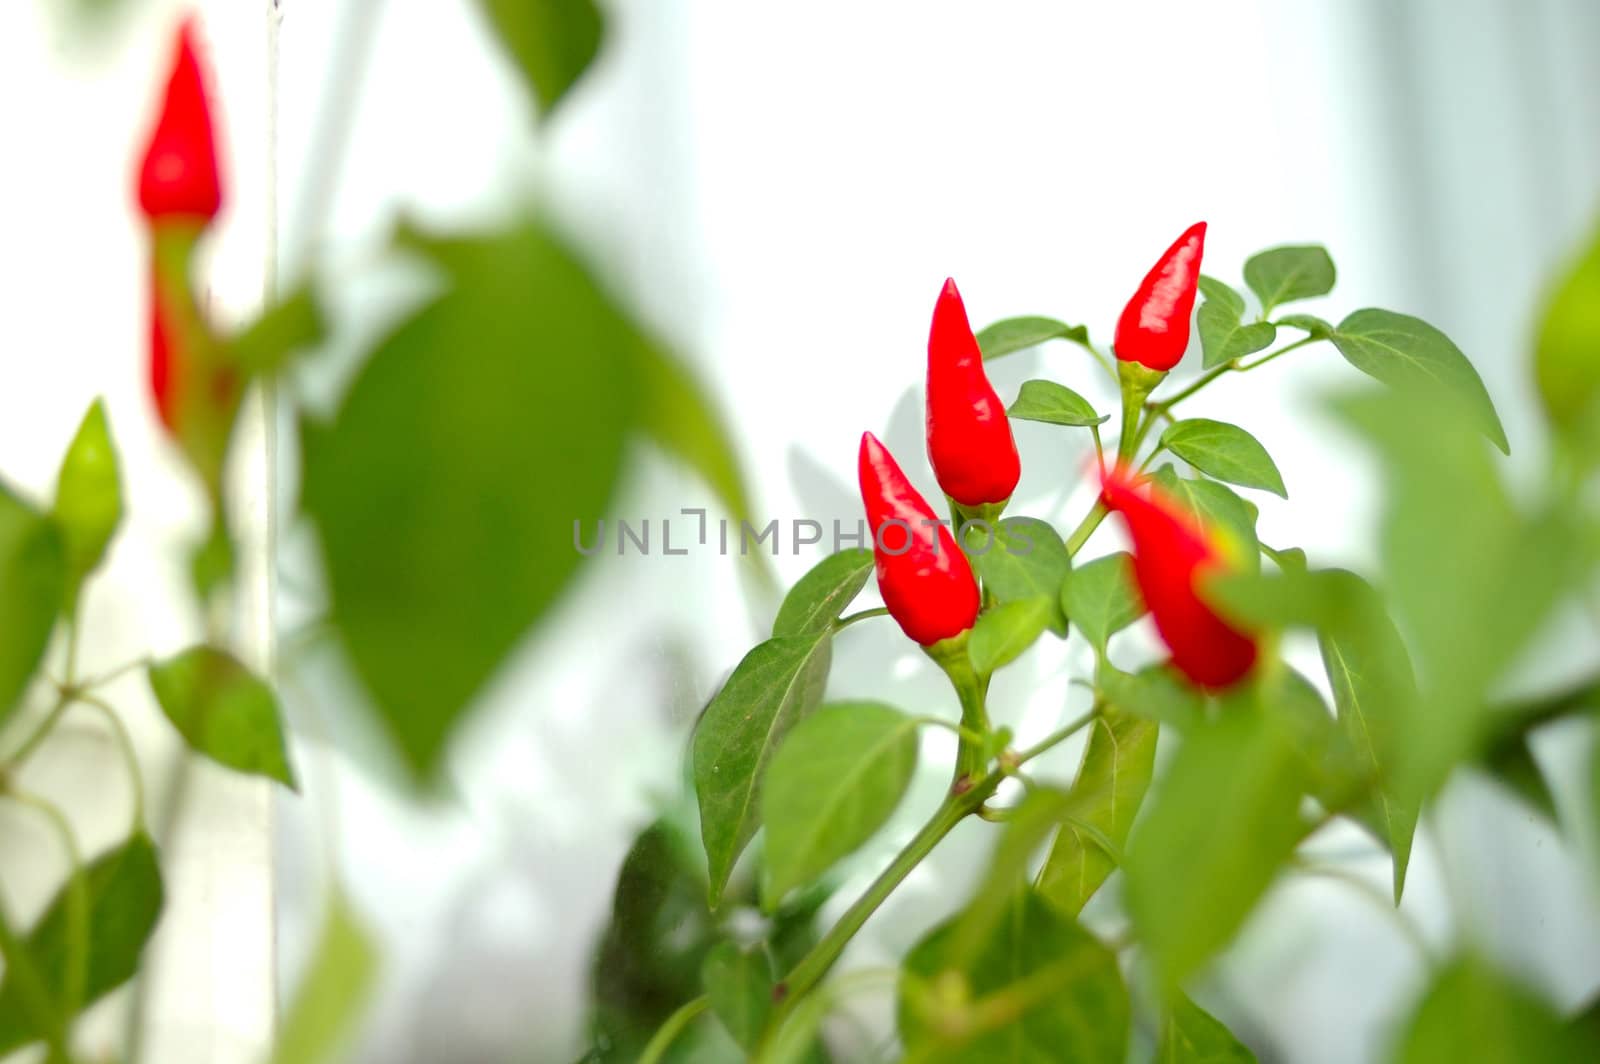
<point>1225,337</point>
<point>682,419</point>
<point>1003,633</point>
<point>1054,404</point>
<point>1018,334</point>
<point>1155,692</point>
<point>332,993</point>
<point>88,505</point>
<point>739,984</point>
<point>1070,1000</point>
<point>446,490</point>
<point>1471,579</point>
<point>819,597</point>
<point>223,711</point>
<point>1223,294</point>
<point>1101,598</point>
<point>125,899</point>
<point>1308,323</point>
<point>1224,451</point>
<point>1118,762</point>
<point>1289,274</point>
<point>771,690</point>
<point>1329,766</point>
<point>1224,820</point>
<point>1512,763</point>
<point>292,324</point>
<point>552,42</point>
<point>33,586</point>
<point>1408,353</point>
<point>1025,559</point>
<point>834,782</point>
<point>1221,511</point>
<point>1191,1035</point>
<point>1567,359</point>
<point>1473,1013</point>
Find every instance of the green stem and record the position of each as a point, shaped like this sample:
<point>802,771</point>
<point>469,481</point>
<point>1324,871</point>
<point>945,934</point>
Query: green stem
<point>1279,353</point>
<point>940,722</point>
<point>1057,737</point>
<point>77,890</point>
<point>657,1048</point>
<point>39,733</point>
<point>864,615</point>
<point>1205,379</point>
<point>1086,527</point>
<point>815,964</point>
<point>129,755</point>
<point>34,996</point>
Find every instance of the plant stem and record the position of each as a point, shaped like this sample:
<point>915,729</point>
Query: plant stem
<point>33,994</point>
<point>1279,353</point>
<point>1205,379</point>
<point>77,891</point>
<point>863,615</point>
<point>812,967</point>
<point>1059,736</point>
<point>939,722</point>
<point>1086,527</point>
<point>40,733</point>
<point>130,756</point>
<point>669,1031</point>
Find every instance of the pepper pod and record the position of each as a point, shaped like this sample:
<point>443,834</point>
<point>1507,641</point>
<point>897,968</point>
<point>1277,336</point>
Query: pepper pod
<point>1153,331</point>
<point>970,444</point>
<point>1171,553</point>
<point>925,580</point>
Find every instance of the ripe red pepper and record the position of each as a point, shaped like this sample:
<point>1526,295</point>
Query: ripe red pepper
<point>1170,554</point>
<point>925,579</point>
<point>969,437</point>
<point>1154,328</point>
<point>178,177</point>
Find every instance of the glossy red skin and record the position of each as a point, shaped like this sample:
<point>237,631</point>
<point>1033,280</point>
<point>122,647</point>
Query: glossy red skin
<point>1170,554</point>
<point>178,175</point>
<point>1154,328</point>
<point>970,445</point>
<point>929,588</point>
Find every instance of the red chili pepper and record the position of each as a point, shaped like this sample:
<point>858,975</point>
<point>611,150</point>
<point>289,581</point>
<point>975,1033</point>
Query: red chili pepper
<point>178,177</point>
<point>925,579</point>
<point>969,437</point>
<point>1170,554</point>
<point>1154,328</point>
<point>166,362</point>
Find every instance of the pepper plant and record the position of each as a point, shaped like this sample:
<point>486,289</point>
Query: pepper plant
<point>1255,760</point>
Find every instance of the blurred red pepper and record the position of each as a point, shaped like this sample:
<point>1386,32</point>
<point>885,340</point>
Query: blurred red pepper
<point>924,578</point>
<point>1154,328</point>
<point>166,361</point>
<point>969,437</point>
<point>178,178</point>
<point>1170,553</point>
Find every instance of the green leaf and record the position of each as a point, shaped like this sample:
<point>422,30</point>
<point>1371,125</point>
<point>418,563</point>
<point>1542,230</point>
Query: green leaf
<point>331,995</point>
<point>1024,559</point>
<point>1567,359</point>
<point>1003,633</point>
<point>1328,762</point>
<point>1224,337</point>
<point>1018,334</point>
<point>1117,765</point>
<point>1473,1013</point>
<point>1406,352</point>
<point>1288,274</point>
<point>223,711</point>
<point>819,597</point>
<point>1073,1005</point>
<point>776,685</point>
<point>446,491</point>
<point>1054,404</point>
<point>88,505</point>
<point>552,42</point>
<point>1155,692</point>
<point>1222,513</point>
<point>33,585</point>
<point>834,782</point>
<point>125,898</point>
<point>1223,294</point>
<point>682,420</point>
<point>739,985</point>
<point>1225,818</point>
<point>1224,451</point>
<point>1101,598</point>
<point>1191,1035</point>
<point>294,323</point>
<point>1308,323</point>
<point>1512,763</point>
